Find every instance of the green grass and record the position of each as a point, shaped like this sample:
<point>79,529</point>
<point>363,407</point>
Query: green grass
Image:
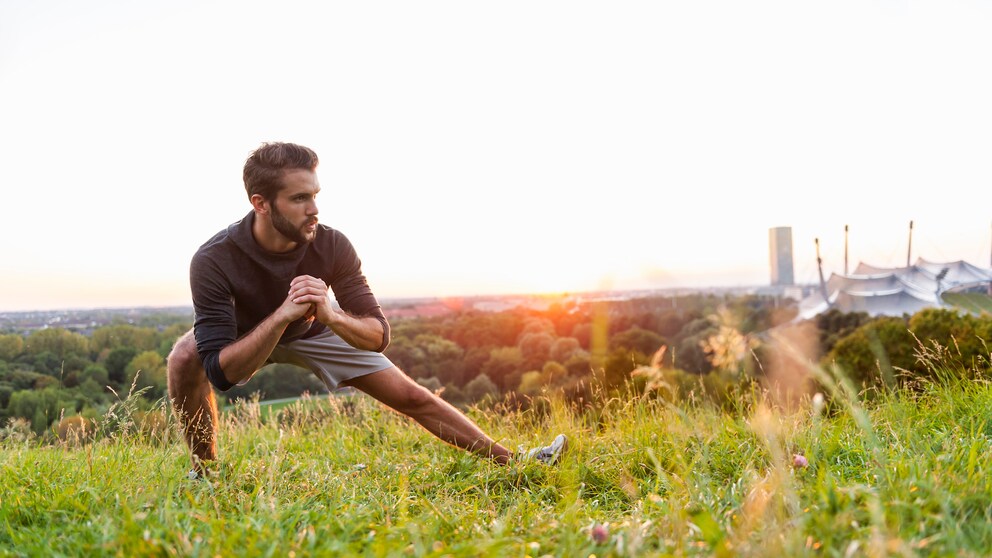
<point>976,303</point>
<point>907,475</point>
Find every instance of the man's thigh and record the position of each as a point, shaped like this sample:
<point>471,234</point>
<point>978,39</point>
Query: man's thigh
<point>330,358</point>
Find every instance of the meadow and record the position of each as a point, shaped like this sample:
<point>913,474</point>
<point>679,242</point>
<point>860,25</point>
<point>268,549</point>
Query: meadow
<point>903,472</point>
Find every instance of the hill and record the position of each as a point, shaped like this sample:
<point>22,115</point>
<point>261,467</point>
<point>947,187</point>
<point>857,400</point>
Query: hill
<point>648,475</point>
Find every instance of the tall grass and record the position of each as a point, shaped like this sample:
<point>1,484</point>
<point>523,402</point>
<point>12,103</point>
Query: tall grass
<point>907,474</point>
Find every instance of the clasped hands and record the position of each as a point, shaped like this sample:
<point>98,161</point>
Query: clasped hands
<point>308,297</point>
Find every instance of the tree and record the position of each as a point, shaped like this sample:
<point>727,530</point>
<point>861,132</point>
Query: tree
<point>116,363</point>
<point>564,348</point>
<point>432,384</point>
<point>957,336</point>
<point>535,348</point>
<point>57,341</point>
<point>41,407</point>
<point>278,381</point>
<point>583,333</point>
<point>503,367</point>
<point>475,358</point>
<point>579,365</point>
<point>536,325</point>
<point>637,339</point>
<point>481,387</point>
<point>619,364</point>
<point>478,329</point>
<point>11,346</point>
<point>834,325</point>
<point>531,383</point>
<point>689,353</point>
<point>409,357</point>
<point>97,373</point>
<point>48,363</point>
<point>443,358</point>
<point>123,335</point>
<point>870,354</point>
<point>149,368</point>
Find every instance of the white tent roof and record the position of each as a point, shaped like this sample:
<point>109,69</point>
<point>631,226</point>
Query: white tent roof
<point>893,291</point>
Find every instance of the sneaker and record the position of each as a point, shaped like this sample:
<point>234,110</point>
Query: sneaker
<point>549,455</point>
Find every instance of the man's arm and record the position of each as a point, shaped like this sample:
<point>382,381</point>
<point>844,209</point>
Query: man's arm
<point>242,358</point>
<point>361,332</point>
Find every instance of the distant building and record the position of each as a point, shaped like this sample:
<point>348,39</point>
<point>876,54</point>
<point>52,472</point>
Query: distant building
<point>780,252</point>
<point>885,291</point>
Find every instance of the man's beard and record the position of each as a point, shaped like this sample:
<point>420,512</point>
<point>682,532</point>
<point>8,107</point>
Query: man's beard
<point>286,228</point>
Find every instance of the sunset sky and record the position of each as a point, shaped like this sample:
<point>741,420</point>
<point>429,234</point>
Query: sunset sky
<point>500,147</point>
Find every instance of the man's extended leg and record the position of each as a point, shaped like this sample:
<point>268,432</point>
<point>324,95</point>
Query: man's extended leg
<point>397,390</point>
<point>193,401</point>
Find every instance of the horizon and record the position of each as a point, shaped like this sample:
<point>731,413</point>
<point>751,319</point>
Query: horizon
<point>677,291</point>
<point>699,286</point>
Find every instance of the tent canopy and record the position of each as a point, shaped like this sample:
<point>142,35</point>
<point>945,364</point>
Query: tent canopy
<point>893,291</point>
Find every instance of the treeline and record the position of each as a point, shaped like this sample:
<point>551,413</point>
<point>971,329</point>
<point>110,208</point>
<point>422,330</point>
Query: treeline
<point>54,373</point>
<point>708,345</point>
<point>570,347</point>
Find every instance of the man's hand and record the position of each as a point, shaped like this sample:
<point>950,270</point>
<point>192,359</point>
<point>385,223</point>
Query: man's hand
<point>311,292</point>
<point>290,310</point>
<point>359,332</point>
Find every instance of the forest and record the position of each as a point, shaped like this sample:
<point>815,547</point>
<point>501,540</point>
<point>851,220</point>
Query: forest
<point>712,346</point>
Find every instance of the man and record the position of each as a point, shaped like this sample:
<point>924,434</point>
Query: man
<point>261,294</point>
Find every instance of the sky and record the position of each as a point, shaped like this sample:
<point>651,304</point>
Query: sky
<point>494,147</point>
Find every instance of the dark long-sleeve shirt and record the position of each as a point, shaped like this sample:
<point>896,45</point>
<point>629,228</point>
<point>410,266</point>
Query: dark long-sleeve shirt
<point>236,284</point>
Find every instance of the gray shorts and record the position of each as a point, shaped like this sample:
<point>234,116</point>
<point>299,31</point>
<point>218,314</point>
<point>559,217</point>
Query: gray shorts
<point>329,358</point>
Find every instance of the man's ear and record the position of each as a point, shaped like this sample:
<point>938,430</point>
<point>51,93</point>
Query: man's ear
<point>260,204</point>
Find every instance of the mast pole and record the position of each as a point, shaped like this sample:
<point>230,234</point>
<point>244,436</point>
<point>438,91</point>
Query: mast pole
<point>909,250</point>
<point>845,249</point>
<point>819,266</point>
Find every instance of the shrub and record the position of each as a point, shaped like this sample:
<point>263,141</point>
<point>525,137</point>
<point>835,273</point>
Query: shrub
<point>75,430</point>
<point>873,353</point>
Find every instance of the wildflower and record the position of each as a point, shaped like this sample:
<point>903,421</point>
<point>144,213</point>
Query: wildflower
<point>600,533</point>
<point>799,461</point>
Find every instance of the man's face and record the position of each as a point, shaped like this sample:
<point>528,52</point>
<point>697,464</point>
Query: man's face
<point>294,209</point>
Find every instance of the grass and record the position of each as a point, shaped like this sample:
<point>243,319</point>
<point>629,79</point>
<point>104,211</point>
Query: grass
<point>905,475</point>
<point>975,303</point>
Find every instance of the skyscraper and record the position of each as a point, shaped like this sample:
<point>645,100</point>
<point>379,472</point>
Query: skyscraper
<point>780,252</point>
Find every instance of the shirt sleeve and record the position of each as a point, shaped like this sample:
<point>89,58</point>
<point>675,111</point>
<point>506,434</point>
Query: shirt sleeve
<point>351,289</point>
<point>214,322</point>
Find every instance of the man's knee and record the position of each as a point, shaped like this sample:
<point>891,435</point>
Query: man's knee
<point>417,398</point>
<point>183,363</point>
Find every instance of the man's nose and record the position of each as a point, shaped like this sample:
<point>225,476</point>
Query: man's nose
<point>312,208</point>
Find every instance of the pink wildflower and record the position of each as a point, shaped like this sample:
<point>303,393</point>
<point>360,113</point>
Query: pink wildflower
<point>600,533</point>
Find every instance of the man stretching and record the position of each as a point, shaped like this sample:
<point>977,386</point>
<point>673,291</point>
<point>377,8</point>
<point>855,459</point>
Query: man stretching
<point>261,295</point>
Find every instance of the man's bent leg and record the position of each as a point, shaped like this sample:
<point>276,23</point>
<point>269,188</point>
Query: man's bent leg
<point>397,390</point>
<point>193,401</point>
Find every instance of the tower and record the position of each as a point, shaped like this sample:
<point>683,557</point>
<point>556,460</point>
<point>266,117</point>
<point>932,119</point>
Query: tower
<point>780,253</point>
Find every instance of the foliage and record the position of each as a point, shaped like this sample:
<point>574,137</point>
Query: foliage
<point>875,351</point>
<point>278,381</point>
<point>59,342</point>
<point>124,335</point>
<point>481,388</point>
<point>887,350</point>
<point>716,348</point>
<point>10,346</point>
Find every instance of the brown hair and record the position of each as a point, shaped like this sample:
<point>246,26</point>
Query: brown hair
<point>265,166</point>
